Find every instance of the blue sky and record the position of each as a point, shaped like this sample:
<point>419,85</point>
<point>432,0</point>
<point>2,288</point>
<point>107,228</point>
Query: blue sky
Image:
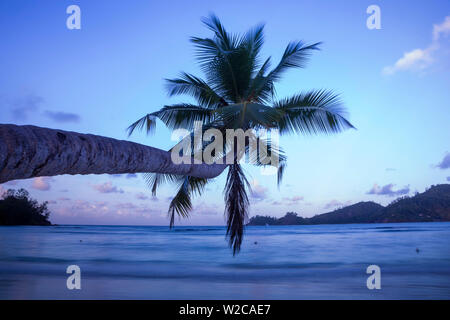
<point>394,82</point>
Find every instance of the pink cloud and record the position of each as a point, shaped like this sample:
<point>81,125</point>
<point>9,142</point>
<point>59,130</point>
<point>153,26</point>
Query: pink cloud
<point>107,187</point>
<point>41,183</point>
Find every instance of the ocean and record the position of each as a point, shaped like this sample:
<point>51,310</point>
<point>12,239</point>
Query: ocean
<point>276,262</point>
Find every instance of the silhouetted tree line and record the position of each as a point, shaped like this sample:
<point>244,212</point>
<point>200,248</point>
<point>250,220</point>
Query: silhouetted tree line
<point>431,205</point>
<point>290,218</point>
<point>17,208</point>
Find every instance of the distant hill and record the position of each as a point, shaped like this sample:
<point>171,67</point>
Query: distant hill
<point>361,212</point>
<point>431,205</point>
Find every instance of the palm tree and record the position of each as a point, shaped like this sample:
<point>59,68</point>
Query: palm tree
<point>238,92</point>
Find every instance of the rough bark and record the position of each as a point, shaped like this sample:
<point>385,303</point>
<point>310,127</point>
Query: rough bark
<point>30,151</point>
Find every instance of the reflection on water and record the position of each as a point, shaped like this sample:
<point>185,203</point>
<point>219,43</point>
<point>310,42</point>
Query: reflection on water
<point>276,262</point>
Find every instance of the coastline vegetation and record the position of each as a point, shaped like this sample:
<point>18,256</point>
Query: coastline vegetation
<point>18,208</point>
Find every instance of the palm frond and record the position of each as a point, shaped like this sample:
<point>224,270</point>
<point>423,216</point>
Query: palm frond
<point>154,180</point>
<point>206,50</point>
<point>280,172</point>
<point>229,61</point>
<point>253,40</point>
<point>184,115</point>
<point>236,206</point>
<point>265,157</point>
<point>295,55</point>
<point>317,111</point>
<point>196,87</point>
<point>181,204</point>
<point>248,115</point>
<point>250,47</point>
<point>148,122</point>
<point>225,39</point>
<point>176,116</point>
<point>260,89</point>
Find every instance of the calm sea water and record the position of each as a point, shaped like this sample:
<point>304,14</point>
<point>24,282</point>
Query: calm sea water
<point>285,262</point>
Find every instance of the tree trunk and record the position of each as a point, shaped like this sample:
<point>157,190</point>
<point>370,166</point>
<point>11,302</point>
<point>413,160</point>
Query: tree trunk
<point>29,151</point>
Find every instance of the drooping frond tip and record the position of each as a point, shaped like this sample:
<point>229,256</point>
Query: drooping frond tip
<point>148,122</point>
<point>236,206</point>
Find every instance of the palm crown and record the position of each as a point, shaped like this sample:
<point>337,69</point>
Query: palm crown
<point>239,92</point>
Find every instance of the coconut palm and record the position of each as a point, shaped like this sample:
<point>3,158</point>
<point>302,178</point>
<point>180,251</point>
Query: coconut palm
<point>238,92</point>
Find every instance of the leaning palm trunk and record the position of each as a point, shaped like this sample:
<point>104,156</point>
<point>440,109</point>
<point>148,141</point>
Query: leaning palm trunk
<point>29,151</point>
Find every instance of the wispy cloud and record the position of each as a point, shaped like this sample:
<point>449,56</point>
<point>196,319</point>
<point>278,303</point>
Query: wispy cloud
<point>22,107</point>
<point>288,201</point>
<point>445,163</point>
<point>419,59</point>
<point>387,190</point>
<point>143,196</point>
<point>293,200</point>
<point>59,116</point>
<point>41,183</point>
<point>441,29</point>
<point>28,105</point>
<point>107,187</point>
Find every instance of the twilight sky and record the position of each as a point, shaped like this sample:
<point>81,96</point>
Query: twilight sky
<point>394,82</point>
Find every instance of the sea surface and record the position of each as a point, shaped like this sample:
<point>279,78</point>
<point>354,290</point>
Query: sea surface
<point>276,262</point>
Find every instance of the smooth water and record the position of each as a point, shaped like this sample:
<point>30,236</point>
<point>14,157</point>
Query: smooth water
<point>276,262</point>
